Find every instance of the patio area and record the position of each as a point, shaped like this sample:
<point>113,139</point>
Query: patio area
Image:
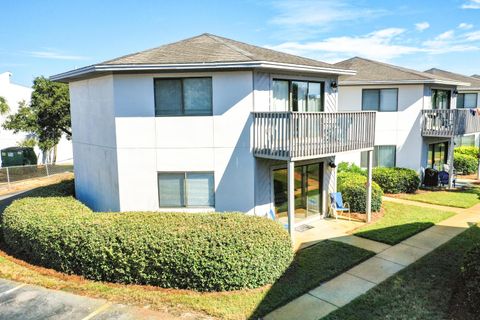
<point>323,229</point>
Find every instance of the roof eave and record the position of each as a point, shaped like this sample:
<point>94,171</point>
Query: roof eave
<point>393,82</point>
<point>85,71</point>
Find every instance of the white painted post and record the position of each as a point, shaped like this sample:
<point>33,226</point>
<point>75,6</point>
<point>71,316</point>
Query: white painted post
<point>46,168</point>
<point>451,146</point>
<point>369,185</point>
<point>291,199</point>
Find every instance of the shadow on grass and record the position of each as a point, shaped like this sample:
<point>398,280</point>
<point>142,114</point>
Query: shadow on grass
<point>395,234</point>
<point>310,267</point>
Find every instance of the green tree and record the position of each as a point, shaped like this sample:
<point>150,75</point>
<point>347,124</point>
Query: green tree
<point>27,142</point>
<point>4,108</point>
<point>47,117</point>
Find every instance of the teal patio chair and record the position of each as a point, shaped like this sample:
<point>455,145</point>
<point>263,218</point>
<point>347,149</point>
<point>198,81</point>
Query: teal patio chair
<point>337,205</point>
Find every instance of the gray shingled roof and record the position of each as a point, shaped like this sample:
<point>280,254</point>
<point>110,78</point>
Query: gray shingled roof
<point>203,52</point>
<point>474,82</point>
<point>475,76</point>
<point>370,71</point>
<point>211,48</point>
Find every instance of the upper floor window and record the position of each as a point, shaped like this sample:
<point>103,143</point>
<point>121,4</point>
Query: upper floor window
<point>183,96</point>
<point>301,96</point>
<point>467,100</point>
<point>440,99</point>
<point>380,99</point>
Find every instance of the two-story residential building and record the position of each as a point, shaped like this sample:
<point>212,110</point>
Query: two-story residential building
<point>209,123</point>
<point>14,94</point>
<point>417,119</point>
<point>468,97</point>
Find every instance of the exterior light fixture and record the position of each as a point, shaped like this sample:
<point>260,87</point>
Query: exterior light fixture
<point>334,85</point>
<point>332,165</point>
<point>455,92</point>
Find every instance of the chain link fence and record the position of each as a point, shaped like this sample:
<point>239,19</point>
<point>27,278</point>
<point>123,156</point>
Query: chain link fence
<point>10,175</point>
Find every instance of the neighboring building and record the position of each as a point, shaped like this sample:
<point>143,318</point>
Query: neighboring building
<point>210,123</point>
<point>468,97</point>
<point>416,116</point>
<point>14,94</point>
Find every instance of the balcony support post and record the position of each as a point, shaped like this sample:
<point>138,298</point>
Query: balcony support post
<point>291,198</point>
<point>368,208</point>
<point>451,147</point>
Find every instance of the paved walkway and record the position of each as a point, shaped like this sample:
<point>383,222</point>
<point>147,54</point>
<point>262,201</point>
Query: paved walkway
<point>389,260</point>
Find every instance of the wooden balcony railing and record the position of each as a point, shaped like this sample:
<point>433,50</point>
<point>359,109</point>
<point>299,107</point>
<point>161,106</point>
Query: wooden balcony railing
<point>449,123</point>
<point>305,135</point>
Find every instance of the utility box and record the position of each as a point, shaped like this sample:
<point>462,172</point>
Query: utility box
<point>18,156</point>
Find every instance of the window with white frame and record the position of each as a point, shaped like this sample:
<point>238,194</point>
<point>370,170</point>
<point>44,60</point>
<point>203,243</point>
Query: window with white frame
<point>467,100</point>
<point>186,189</point>
<point>296,95</point>
<point>183,96</point>
<point>380,100</point>
<point>383,156</point>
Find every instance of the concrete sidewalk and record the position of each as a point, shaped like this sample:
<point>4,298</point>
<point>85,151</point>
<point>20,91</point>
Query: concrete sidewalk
<point>389,260</point>
<point>25,302</point>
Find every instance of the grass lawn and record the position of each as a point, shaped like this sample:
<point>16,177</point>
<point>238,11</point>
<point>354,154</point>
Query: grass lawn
<point>311,267</point>
<point>461,199</point>
<point>427,289</point>
<point>400,222</point>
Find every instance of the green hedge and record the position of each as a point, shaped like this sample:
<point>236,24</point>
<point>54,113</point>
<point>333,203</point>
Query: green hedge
<point>464,163</point>
<point>468,151</point>
<point>199,251</point>
<point>351,167</point>
<point>396,180</point>
<point>354,191</point>
<point>471,278</point>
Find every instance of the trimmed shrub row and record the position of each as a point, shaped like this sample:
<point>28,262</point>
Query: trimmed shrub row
<point>354,191</point>
<point>396,180</point>
<point>471,278</point>
<point>199,251</point>
<point>464,163</point>
<point>468,151</point>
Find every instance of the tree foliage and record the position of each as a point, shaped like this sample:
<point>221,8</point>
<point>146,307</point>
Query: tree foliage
<point>48,115</point>
<point>4,108</point>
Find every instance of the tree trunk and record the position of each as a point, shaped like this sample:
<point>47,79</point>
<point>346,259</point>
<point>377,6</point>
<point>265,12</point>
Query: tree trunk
<point>54,160</point>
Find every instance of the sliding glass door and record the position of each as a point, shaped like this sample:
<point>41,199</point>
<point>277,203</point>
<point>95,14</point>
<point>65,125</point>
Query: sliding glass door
<point>307,192</point>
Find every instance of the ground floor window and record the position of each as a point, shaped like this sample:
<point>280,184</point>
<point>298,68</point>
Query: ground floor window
<point>383,156</point>
<point>437,155</point>
<point>186,189</point>
<point>465,141</point>
<point>307,192</point>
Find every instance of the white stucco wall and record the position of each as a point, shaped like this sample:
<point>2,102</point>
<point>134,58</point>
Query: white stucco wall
<point>401,128</point>
<point>94,143</point>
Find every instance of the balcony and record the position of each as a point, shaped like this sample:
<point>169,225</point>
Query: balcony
<point>307,135</point>
<point>449,123</point>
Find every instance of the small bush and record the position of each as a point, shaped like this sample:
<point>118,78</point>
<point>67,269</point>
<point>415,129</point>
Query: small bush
<point>354,191</point>
<point>471,278</point>
<point>464,163</point>
<point>396,180</point>
<point>199,251</point>
<point>468,151</point>
<point>351,167</point>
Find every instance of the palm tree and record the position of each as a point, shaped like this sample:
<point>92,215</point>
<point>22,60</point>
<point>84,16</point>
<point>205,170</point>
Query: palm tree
<point>4,108</point>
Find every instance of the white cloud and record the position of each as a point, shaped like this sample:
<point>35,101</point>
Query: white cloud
<point>446,35</point>
<point>54,55</point>
<point>310,16</point>
<point>383,45</point>
<point>471,4</point>
<point>465,26</point>
<point>422,26</point>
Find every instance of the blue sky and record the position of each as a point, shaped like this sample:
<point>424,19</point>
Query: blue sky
<point>49,37</point>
